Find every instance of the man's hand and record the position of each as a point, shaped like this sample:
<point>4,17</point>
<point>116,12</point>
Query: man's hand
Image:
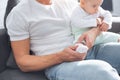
<point>89,37</point>
<point>69,54</point>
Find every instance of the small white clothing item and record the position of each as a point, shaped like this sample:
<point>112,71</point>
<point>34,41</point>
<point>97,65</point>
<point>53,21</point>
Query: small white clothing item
<point>81,48</point>
<point>47,26</point>
<point>82,19</point>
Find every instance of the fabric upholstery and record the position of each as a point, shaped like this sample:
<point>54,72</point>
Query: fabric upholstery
<point>11,61</point>
<point>115,27</point>
<point>4,49</point>
<point>107,5</point>
<point>16,74</point>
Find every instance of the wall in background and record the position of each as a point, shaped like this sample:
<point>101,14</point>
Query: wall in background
<point>2,11</point>
<point>116,7</point>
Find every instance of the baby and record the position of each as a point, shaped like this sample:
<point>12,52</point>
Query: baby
<point>88,14</point>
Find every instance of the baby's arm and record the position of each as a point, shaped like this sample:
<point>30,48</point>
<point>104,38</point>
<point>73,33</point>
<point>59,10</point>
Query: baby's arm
<point>102,25</point>
<point>107,21</point>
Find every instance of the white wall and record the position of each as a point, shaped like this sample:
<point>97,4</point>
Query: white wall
<point>116,7</point>
<point>2,11</point>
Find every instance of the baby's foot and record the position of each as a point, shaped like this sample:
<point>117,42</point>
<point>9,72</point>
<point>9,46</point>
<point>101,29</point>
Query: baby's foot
<point>119,40</point>
<point>82,48</point>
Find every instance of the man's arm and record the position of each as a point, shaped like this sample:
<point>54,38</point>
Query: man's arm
<point>27,62</point>
<point>90,36</point>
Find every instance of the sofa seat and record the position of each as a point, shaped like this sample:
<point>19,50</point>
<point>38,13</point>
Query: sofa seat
<point>16,74</point>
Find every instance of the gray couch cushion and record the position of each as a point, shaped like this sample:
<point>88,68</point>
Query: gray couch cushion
<point>107,5</point>
<point>4,49</point>
<point>11,62</point>
<point>115,25</point>
<point>16,74</point>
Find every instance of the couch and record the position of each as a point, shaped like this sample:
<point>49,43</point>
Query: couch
<point>8,68</point>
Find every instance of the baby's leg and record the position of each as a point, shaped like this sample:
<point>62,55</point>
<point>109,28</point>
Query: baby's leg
<point>106,37</point>
<point>82,49</point>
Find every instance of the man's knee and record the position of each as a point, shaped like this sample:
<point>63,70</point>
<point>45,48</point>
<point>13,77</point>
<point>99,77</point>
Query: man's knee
<point>85,70</point>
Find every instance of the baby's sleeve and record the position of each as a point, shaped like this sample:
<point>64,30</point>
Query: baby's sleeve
<point>107,16</point>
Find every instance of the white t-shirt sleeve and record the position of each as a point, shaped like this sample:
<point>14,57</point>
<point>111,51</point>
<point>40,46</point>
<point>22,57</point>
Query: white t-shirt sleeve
<point>17,26</point>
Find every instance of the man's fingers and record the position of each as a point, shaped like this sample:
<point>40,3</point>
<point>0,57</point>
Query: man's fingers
<point>81,38</point>
<point>73,47</point>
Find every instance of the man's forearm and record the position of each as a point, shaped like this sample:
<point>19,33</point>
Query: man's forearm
<point>90,36</point>
<point>96,30</point>
<point>35,63</point>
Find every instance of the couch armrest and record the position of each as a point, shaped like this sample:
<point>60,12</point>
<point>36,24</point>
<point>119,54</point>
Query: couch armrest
<point>4,49</point>
<point>115,25</point>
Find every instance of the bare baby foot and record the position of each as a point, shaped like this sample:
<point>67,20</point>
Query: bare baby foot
<point>119,40</point>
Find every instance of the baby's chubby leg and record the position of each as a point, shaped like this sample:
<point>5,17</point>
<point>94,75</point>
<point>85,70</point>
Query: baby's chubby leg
<point>82,49</point>
<point>106,37</point>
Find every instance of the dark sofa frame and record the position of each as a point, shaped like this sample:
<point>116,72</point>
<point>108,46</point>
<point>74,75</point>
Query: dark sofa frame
<point>8,67</point>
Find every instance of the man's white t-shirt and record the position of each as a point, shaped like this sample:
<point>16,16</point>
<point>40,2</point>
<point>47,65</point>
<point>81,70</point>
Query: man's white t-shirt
<point>47,26</point>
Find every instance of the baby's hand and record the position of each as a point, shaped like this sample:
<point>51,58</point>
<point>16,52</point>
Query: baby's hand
<point>99,20</point>
<point>104,26</point>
